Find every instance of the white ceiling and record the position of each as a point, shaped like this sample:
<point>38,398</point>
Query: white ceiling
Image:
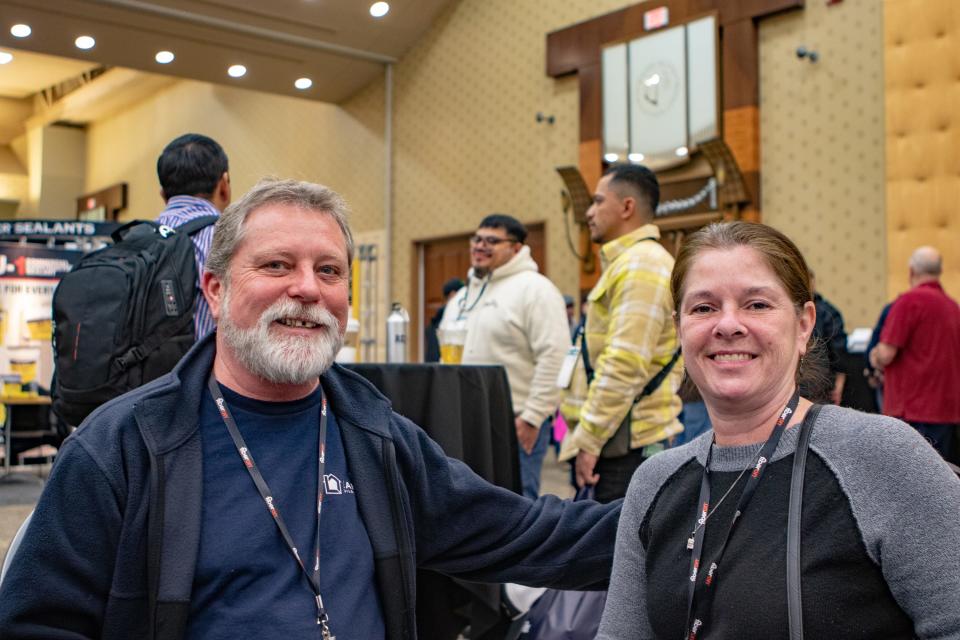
<point>336,43</point>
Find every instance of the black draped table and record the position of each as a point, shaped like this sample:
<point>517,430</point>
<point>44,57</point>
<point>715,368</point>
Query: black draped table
<point>467,411</point>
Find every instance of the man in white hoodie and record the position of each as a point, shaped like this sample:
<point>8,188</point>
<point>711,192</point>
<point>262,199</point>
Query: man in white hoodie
<point>514,317</point>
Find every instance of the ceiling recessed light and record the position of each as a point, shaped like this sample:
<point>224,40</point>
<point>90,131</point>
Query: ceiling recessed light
<point>237,71</point>
<point>85,42</point>
<point>303,83</point>
<point>5,57</point>
<point>20,30</point>
<point>635,157</point>
<point>611,157</point>
<point>682,151</point>
<point>379,9</point>
<point>164,57</point>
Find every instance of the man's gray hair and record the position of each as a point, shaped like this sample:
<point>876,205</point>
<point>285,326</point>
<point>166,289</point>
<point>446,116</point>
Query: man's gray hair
<point>926,261</point>
<point>229,230</point>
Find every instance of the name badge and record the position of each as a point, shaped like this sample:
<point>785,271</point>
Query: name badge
<point>566,369</point>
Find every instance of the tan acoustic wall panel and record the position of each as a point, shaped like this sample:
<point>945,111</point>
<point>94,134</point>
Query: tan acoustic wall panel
<point>922,56</point>
<point>822,147</point>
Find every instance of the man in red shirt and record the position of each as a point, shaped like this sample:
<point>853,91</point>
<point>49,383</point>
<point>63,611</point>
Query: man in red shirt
<point>919,351</point>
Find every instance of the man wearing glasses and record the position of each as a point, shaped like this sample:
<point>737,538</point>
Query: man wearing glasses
<point>514,317</point>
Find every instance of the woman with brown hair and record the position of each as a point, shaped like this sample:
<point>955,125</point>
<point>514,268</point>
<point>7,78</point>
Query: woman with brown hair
<point>735,536</point>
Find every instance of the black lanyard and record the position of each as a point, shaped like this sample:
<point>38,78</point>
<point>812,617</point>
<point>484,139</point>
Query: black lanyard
<point>312,577</point>
<point>706,588</point>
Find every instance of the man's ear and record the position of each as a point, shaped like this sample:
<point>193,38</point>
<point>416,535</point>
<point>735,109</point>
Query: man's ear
<point>213,291</point>
<point>628,207</point>
<point>220,198</point>
<point>163,196</point>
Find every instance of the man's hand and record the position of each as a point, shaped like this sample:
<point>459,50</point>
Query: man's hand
<point>586,462</point>
<point>872,356</point>
<point>874,377</point>
<point>526,434</point>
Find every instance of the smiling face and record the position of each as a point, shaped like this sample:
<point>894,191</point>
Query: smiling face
<point>283,308</point>
<point>740,331</point>
<point>491,247</point>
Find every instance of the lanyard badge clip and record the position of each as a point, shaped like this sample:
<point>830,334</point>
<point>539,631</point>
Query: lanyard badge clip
<point>324,629</point>
<point>323,619</point>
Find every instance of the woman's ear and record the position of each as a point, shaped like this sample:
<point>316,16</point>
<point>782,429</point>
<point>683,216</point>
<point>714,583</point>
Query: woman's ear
<point>806,322</point>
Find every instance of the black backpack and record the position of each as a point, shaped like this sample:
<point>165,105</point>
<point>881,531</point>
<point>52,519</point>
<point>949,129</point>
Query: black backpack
<point>123,315</point>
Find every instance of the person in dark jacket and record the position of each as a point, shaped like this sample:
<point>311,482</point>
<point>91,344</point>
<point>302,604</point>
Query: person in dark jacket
<point>259,490</point>
<point>829,330</point>
<point>431,345</point>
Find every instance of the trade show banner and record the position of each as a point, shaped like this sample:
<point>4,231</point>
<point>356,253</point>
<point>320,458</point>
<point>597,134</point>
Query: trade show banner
<point>29,273</point>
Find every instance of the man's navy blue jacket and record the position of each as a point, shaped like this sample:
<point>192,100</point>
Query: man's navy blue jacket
<point>111,549</point>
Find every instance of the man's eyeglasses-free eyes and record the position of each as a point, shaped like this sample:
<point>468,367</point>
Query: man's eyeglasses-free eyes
<point>490,241</point>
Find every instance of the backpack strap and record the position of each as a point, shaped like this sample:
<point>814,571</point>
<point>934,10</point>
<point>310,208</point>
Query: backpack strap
<point>657,380</point>
<point>147,347</point>
<point>794,608</point>
<point>192,226</point>
<point>118,233</point>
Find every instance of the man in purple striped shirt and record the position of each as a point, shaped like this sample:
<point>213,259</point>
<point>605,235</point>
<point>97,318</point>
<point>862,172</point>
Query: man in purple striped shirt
<point>194,182</point>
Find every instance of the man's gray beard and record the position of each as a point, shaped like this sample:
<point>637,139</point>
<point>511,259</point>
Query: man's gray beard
<point>283,359</point>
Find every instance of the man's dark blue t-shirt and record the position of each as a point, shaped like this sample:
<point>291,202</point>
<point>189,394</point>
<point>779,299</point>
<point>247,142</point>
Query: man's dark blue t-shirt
<point>247,583</point>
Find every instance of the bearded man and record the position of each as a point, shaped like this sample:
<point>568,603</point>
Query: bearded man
<point>259,490</point>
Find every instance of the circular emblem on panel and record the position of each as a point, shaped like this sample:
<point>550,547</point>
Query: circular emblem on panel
<point>658,87</point>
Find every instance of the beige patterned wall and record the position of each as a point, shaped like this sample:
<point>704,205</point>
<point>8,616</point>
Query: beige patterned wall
<point>822,147</point>
<point>262,134</point>
<point>466,139</point>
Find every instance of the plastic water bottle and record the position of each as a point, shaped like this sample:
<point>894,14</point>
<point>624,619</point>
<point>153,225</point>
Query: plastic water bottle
<point>398,323</point>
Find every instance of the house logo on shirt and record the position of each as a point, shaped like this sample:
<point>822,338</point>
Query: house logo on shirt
<point>332,486</point>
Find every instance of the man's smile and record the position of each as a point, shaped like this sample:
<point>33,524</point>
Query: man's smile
<point>296,322</point>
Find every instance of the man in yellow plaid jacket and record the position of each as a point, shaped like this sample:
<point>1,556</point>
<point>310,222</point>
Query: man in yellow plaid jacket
<point>630,337</point>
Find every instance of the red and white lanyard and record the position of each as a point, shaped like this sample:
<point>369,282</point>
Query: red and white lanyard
<point>313,577</point>
<point>700,593</point>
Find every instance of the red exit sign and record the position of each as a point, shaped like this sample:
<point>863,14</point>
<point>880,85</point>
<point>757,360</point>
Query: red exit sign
<point>656,18</point>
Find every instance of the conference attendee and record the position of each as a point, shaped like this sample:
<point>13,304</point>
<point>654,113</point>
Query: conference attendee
<point>572,320</point>
<point>919,354</point>
<point>629,341</point>
<point>431,349</point>
<point>514,316</point>
<point>194,182</point>
<point>260,491</point>
<point>873,375</point>
<point>703,543</point>
<point>830,332</point>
